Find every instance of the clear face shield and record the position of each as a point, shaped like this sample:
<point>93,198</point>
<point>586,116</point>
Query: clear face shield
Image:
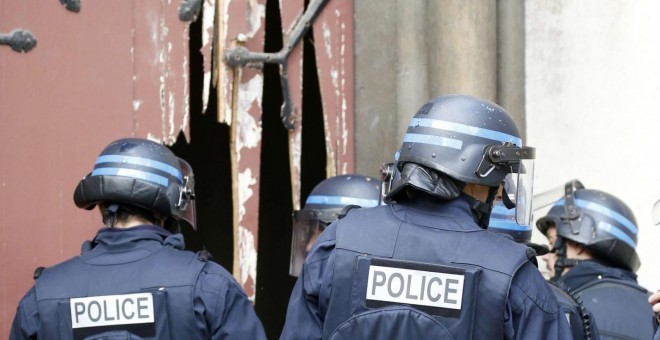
<point>518,190</point>
<point>307,227</point>
<point>656,213</point>
<point>185,207</point>
<point>519,182</point>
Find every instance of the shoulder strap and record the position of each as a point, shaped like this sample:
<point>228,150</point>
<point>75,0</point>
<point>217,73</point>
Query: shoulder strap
<point>584,315</point>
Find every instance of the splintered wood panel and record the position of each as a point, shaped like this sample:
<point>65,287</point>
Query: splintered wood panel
<point>333,40</point>
<point>290,12</point>
<point>115,69</point>
<point>240,92</point>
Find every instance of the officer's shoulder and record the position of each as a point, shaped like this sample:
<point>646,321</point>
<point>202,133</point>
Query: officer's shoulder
<point>351,212</point>
<point>529,284</point>
<point>63,266</point>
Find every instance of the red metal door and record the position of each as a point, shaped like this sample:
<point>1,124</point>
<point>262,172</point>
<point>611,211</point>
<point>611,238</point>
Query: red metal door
<point>114,69</point>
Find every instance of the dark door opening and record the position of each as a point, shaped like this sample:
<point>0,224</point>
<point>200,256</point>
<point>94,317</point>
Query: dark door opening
<point>274,284</point>
<point>209,154</point>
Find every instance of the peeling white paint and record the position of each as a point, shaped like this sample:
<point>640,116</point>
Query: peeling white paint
<point>249,129</point>
<point>186,81</point>
<point>256,12</point>
<point>245,192</point>
<point>225,72</point>
<point>327,40</point>
<point>172,112</point>
<point>208,27</point>
<point>136,104</point>
<point>344,106</point>
<point>247,258</point>
<point>295,149</point>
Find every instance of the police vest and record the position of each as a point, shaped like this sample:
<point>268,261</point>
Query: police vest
<point>422,277</point>
<point>579,317</point>
<point>147,298</point>
<point>620,307</point>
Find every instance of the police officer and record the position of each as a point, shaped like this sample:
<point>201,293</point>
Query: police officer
<point>134,280</point>
<point>424,266</point>
<point>596,237</point>
<point>580,319</point>
<point>328,200</point>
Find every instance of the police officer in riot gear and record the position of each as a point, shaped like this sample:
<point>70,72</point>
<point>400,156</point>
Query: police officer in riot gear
<point>580,319</point>
<point>134,280</point>
<point>328,200</point>
<point>596,237</point>
<point>424,266</point>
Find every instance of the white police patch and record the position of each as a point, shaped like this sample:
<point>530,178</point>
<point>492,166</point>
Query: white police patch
<point>436,289</point>
<point>111,310</point>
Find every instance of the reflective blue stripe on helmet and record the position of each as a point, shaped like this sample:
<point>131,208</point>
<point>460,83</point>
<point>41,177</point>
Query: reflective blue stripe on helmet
<point>466,129</point>
<point>605,211</point>
<point>507,225</point>
<point>141,161</point>
<point>433,140</point>
<point>616,232</point>
<point>341,200</point>
<point>144,175</point>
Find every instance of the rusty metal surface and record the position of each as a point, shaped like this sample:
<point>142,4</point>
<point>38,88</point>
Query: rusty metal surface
<point>333,37</point>
<point>240,92</point>
<point>115,69</point>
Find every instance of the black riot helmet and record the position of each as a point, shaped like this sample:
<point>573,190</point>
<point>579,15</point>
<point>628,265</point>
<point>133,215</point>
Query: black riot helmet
<point>140,173</point>
<point>600,221</point>
<point>323,206</point>
<point>469,140</point>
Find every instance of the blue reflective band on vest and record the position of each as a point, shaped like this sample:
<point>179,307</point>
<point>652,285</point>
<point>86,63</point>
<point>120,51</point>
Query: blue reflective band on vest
<point>616,232</point>
<point>605,211</point>
<point>341,200</point>
<point>433,140</point>
<point>465,129</point>
<point>150,163</point>
<point>147,176</point>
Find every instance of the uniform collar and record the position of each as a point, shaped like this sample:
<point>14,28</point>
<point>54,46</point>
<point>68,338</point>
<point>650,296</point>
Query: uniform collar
<point>458,209</point>
<point>590,270</point>
<point>143,237</point>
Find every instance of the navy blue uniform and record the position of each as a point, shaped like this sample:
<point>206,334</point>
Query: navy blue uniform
<point>420,269</point>
<point>619,305</point>
<point>136,282</point>
<point>582,322</point>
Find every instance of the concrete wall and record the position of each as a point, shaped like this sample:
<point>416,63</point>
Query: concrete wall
<point>407,52</point>
<point>593,84</point>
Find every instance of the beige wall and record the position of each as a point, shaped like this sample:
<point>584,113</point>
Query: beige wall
<point>407,52</point>
<point>593,90</point>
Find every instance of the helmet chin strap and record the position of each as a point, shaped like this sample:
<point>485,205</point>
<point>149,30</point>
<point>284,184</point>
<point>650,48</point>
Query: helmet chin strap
<point>481,210</point>
<point>562,261</point>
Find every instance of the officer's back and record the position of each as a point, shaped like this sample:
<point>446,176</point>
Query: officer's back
<point>134,280</point>
<point>594,236</point>
<point>423,266</point>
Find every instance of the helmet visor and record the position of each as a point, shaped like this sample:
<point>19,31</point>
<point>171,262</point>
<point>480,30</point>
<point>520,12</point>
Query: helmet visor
<point>518,187</point>
<point>656,213</point>
<point>306,229</point>
<point>185,207</point>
